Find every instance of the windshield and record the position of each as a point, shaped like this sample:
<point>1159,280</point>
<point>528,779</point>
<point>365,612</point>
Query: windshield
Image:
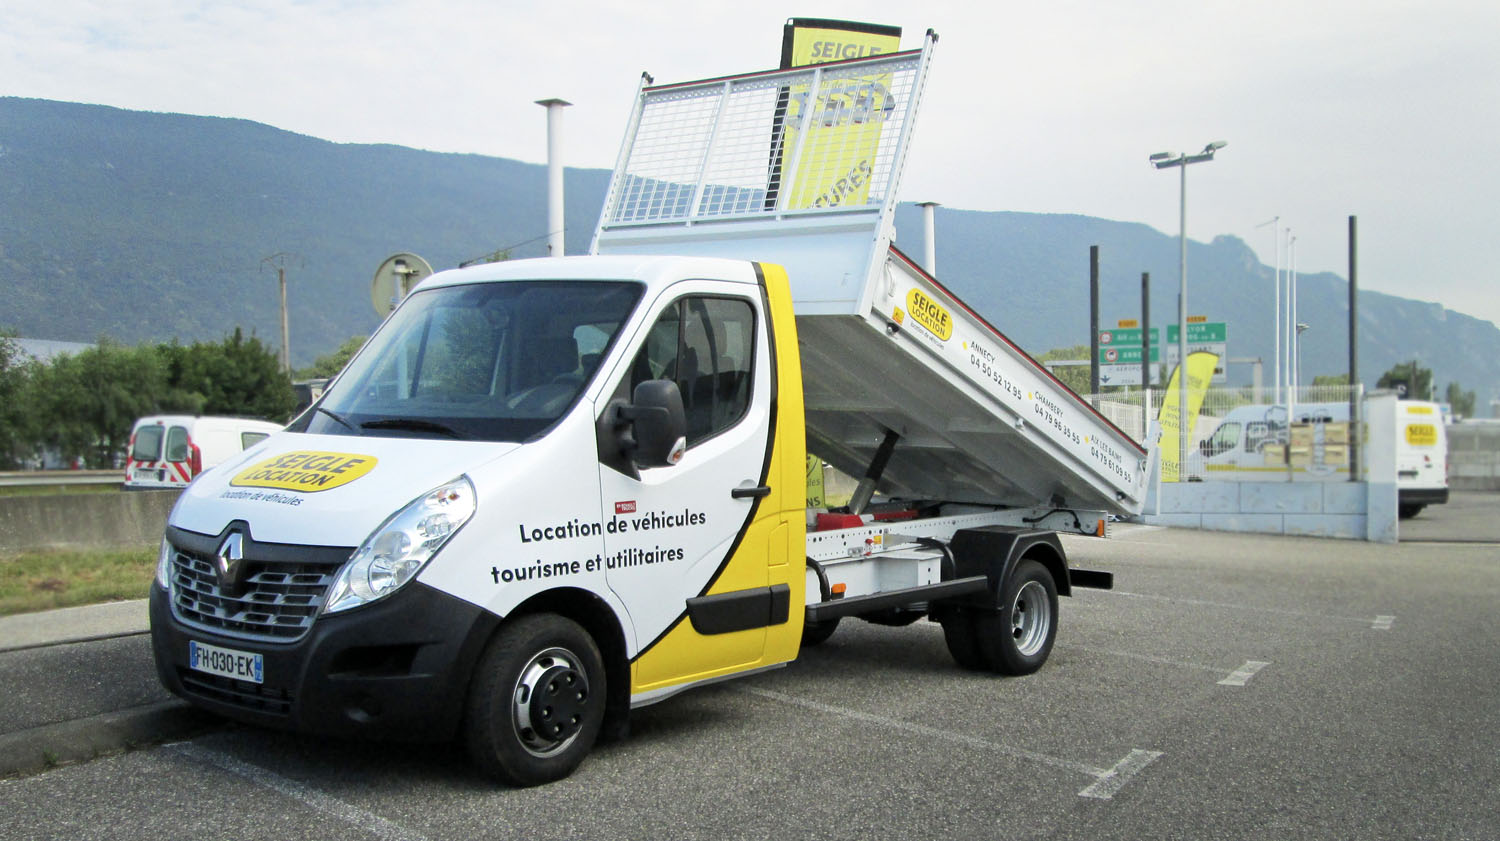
<point>485,362</point>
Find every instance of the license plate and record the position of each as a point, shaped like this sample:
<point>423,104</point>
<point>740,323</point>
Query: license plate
<point>226,662</point>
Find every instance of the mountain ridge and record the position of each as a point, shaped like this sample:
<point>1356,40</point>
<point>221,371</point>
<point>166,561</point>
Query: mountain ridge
<point>154,226</point>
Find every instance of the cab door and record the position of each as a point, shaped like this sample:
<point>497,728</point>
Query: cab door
<point>683,548</point>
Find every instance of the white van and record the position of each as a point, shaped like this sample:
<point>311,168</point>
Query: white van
<point>1421,456</point>
<point>168,451</point>
<point>1237,448</point>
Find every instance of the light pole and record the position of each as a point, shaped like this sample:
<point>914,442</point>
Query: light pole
<point>1274,222</point>
<point>1165,160</point>
<point>1301,328</point>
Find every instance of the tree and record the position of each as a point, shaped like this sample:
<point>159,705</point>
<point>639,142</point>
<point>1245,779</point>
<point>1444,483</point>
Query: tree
<point>15,420</point>
<point>1075,377</point>
<point>238,376</point>
<point>330,364</point>
<point>1411,379</point>
<point>83,407</point>
<point>1330,379</point>
<point>1462,402</point>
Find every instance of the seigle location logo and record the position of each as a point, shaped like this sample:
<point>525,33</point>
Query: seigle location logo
<point>305,470</point>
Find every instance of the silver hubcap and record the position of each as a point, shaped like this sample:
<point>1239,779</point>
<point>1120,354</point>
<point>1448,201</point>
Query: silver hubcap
<point>1030,618</point>
<point>549,700</point>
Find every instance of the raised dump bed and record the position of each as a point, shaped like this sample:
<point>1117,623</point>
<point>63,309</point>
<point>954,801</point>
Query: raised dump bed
<point>896,368</point>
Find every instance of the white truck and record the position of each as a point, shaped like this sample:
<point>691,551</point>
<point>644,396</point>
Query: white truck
<point>548,491</point>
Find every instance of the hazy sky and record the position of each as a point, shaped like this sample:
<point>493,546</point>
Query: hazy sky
<point>1383,109</point>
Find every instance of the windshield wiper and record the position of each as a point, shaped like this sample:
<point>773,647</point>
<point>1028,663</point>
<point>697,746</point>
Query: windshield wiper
<point>337,417</point>
<point>413,424</point>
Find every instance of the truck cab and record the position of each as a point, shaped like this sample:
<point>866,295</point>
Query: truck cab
<point>614,442</point>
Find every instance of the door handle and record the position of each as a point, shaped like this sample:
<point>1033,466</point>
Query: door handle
<point>755,492</point>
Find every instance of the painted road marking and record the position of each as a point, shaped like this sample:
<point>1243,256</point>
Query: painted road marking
<point>1107,780</point>
<point>1244,673</point>
<point>1203,603</point>
<point>353,815</point>
<point>1383,623</point>
<point>1112,780</point>
<point>1252,666</point>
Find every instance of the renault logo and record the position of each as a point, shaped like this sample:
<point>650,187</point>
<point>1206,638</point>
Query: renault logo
<point>231,561</point>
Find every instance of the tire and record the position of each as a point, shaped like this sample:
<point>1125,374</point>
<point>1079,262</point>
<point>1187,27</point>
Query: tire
<point>1017,638</point>
<point>536,701</point>
<point>963,643</point>
<point>817,633</point>
<point>1406,512</point>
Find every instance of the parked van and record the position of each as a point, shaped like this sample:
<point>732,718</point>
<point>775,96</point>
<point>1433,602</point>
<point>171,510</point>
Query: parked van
<point>1421,456</point>
<point>1246,446</point>
<point>168,451</point>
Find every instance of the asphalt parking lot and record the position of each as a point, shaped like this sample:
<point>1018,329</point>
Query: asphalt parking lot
<point>1231,686</point>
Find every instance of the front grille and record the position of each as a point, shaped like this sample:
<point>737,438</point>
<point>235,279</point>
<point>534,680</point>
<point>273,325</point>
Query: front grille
<point>279,602</point>
<point>242,694</point>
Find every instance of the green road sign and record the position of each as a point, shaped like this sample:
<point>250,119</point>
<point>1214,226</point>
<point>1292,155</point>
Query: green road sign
<point>1208,331</point>
<point>1125,354</point>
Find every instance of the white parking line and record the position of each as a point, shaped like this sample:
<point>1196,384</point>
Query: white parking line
<point>1243,673</point>
<point>1107,780</point>
<point>1383,623</point>
<point>1218,670</point>
<point>353,815</point>
<point>1203,603</point>
<point>1112,780</point>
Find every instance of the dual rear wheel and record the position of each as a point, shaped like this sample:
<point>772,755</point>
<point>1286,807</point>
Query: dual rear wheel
<point>1014,639</point>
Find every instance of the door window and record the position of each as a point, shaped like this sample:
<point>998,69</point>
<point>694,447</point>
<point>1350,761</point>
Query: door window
<point>147,443</point>
<point>707,346</point>
<point>177,444</point>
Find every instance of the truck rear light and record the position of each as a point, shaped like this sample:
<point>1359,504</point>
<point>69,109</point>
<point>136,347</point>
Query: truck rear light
<point>195,458</point>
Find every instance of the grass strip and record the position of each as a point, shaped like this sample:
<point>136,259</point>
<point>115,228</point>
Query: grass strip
<point>46,580</point>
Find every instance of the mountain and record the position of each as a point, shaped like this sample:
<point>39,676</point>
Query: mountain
<point>1029,274</point>
<point>145,226</point>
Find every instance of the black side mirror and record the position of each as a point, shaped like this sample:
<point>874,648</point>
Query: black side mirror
<point>655,425</point>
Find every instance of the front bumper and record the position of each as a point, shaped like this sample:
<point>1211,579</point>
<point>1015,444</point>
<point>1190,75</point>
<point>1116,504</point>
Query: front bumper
<point>397,669</point>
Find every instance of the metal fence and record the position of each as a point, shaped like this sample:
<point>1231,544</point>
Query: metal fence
<point>1243,434</point>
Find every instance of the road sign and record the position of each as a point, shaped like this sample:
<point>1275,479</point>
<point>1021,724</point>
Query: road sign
<point>1120,354</point>
<point>1210,331</point>
<point>1110,375</point>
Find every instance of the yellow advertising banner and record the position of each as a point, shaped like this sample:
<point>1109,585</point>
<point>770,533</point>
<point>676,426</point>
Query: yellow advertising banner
<point>1200,369</point>
<point>844,130</point>
<point>815,493</point>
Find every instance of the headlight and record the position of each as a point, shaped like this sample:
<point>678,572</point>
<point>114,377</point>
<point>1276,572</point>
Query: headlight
<point>164,565</point>
<point>394,553</point>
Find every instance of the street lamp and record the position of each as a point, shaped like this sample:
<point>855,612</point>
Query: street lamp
<point>1302,327</point>
<point>1165,160</point>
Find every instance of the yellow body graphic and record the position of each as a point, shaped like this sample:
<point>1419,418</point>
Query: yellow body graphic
<point>771,549</point>
<point>305,470</point>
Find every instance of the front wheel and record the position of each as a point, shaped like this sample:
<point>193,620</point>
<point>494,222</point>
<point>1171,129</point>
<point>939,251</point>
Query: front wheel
<point>1017,638</point>
<point>536,702</point>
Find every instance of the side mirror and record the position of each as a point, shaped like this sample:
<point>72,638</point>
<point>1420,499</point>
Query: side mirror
<point>1206,447</point>
<point>655,433</point>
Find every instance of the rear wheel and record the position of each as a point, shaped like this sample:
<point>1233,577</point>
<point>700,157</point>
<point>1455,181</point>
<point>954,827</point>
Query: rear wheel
<point>1017,638</point>
<point>536,702</point>
<point>962,640</point>
<point>1406,512</point>
<point>817,633</point>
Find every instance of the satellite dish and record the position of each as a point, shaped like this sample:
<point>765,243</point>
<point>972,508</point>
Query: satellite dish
<point>394,279</point>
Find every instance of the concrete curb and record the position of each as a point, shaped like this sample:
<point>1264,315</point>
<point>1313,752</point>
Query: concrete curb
<point>42,748</point>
